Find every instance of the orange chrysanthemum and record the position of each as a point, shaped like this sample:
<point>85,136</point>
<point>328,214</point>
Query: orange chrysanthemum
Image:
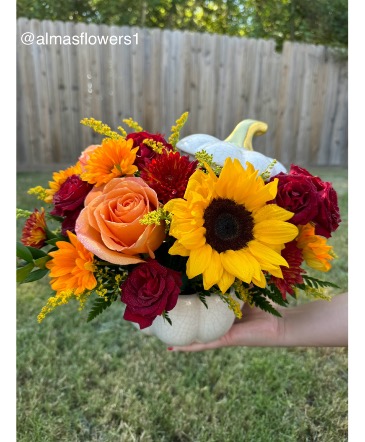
<point>59,178</point>
<point>114,158</point>
<point>316,252</point>
<point>72,267</point>
<point>34,231</point>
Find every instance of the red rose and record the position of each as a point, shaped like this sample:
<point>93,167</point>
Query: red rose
<point>146,153</point>
<point>69,200</point>
<point>298,194</point>
<point>310,198</point>
<point>328,217</point>
<point>69,221</point>
<point>149,290</point>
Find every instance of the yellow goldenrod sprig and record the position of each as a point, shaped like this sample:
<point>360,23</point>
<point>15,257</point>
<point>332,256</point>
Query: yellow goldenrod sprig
<point>21,213</point>
<point>243,293</point>
<point>157,217</point>
<point>204,158</point>
<point>122,131</point>
<point>267,172</point>
<point>233,304</point>
<point>100,128</point>
<point>133,124</point>
<point>156,146</point>
<point>40,191</point>
<point>317,293</point>
<point>108,283</point>
<point>175,130</point>
<point>60,298</point>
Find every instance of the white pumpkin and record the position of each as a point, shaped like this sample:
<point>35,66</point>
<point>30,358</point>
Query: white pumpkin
<point>192,321</point>
<point>237,145</point>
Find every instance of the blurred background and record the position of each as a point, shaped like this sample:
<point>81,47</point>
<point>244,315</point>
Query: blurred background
<point>283,62</point>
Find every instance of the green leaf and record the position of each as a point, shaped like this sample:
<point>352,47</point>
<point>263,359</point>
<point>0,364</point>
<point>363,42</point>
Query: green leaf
<point>202,299</point>
<point>275,295</point>
<point>41,262</point>
<point>100,304</point>
<point>23,272</point>
<point>23,252</point>
<point>37,253</point>
<point>34,276</point>
<point>53,241</point>
<point>55,217</point>
<point>167,317</point>
<point>314,282</point>
<point>264,304</point>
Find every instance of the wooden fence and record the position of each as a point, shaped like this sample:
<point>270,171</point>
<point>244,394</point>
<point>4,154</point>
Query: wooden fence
<point>301,93</point>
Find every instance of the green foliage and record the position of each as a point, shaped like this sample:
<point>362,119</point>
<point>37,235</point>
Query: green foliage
<point>100,304</point>
<point>316,283</point>
<point>23,252</point>
<point>32,258</point>
<point>260,299</point>
<point>320,22</point>
<point>166,316</point>
<point>23,272</point>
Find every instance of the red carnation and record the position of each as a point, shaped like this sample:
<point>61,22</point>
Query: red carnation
<point>146,153</point>
<point>168,175</point>
<point>292,275</point>
<point>69,201</point>
<point>149,290</point>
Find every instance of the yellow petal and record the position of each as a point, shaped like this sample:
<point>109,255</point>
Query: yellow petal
<point>198,261</point>
<point>257,199</point>
<point>194,239</point>
<point>272,211</point>
<point>178,249</point>
<point>266,255</point>
<point>275,232</point>
<point>213,272</point>
<point>177,206</point>
<point>238,264</point>
<point>261,282</point>
<point>225,281</point>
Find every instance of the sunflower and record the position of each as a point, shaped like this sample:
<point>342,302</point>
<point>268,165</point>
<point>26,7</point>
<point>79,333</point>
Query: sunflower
<point>227,230</point>
<point>72,267</point>
<point>316,252</point>
<point>114,158</point>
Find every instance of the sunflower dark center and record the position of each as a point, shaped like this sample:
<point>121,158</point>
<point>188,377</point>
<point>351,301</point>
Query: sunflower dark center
<point>229,226</point>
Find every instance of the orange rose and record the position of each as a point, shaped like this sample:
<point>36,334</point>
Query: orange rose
<point>109,224</point>
<point>85,155</point>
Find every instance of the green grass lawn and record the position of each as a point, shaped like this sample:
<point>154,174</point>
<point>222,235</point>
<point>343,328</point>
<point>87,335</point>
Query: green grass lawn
<point>105,381</point>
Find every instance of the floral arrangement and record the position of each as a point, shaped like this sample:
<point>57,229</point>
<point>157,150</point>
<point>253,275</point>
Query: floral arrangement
<point>138,222</point>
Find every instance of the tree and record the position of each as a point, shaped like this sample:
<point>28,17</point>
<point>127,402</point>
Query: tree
<point>319,22</point>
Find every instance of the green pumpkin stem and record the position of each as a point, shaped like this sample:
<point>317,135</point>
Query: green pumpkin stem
<point>244,132</point>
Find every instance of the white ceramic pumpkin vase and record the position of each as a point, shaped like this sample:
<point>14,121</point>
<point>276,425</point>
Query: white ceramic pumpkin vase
<point>191,320</point>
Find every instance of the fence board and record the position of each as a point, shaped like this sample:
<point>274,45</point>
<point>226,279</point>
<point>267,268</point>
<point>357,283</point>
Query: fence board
<point>301,93</point>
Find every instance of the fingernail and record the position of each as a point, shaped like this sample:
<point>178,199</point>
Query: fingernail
<point>170,348</point>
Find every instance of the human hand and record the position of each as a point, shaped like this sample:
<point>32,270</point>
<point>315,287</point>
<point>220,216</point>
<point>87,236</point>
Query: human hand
<point>315,324</point>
